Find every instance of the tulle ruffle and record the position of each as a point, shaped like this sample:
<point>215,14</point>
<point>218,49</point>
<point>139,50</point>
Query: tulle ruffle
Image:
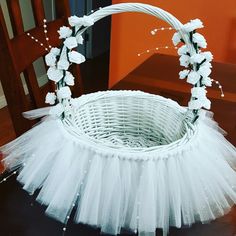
<point>112,192</point>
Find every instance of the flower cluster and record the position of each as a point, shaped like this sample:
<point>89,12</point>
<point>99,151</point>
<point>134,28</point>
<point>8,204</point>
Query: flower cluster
<point>60,59</point>
<point>197,64</point>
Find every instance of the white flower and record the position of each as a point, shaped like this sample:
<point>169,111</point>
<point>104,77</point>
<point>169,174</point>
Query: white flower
<point>193,77</point>
<point>183,50</point>
<point>204,70</point>
<point>197,58</point>
<point>207,81</point>
<point>57,110</point>
<point>207,64</point>
<point>50,59</point>
<point>183,74</point>
<point>184,60</point>
<point>87,21</point>
<point>192,25</point>
<point>75,21</point>
<point>55,51</point>
<point>71,42</point>
<point>208,56</point>
<point>63,64</point>
<point>64,92</point>
<point>79,21</point>
<point>76,57</point>
<point>176,38</point>
<point>69,79</point>
<point>199,40</point>
<point>79,39</point>
<point>50,98</point>
<point>199,103</point>
<point>64,32</point>
<point>199,92</point>
<point>54,74</point>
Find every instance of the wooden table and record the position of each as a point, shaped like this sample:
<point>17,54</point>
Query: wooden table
<point>159,75</point>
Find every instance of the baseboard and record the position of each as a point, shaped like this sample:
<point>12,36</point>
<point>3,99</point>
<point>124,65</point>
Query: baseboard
<point>3,102</point>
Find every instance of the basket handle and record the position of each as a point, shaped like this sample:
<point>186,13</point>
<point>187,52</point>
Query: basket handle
<point>198,98</point>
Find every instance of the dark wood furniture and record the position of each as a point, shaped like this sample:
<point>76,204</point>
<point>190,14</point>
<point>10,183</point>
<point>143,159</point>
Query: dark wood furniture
<point>18,54</point>
<point>159,75</point>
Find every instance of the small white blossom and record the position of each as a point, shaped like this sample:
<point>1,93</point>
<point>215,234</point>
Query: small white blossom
<point>207,64</point>
<point>176,38</point>
<point>197,58</point>
<point>55,51</point>
<point>199,103</point>
<point>50,98</point>
<point>208,56</point>
<point>64,92</point>
<point>183,50</point>
<point>57,110</point>
<point>69,79</point>
<point>193,77</point>
<point>183,74</point>
<point>63,64</point>
<point>54,74</point>
<point>71,42</point>
<point>199,92</point>
<point>64,32</point>
<point>193,25</point>
<point>79,39</point>
<point>199,40</point>
<point>81,21</point>
<point>207,81</point>
<point>184,60</point>
<point>204,71</point>
<point>74,20</point>
<point>76,57</point>
<point>50,59</point>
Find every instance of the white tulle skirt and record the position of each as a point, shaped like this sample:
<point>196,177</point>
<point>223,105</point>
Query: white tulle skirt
<point>196,183</point>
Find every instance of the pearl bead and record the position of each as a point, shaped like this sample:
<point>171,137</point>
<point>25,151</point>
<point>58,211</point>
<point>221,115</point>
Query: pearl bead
<point>14,172</point>
<point>45,31</point>
<point>64,229</point>
<point>44,20</point>
<point>68,217</point>
<point>217,82</point>
<point>148,51</point>
<point>220,86</point>
<point>41,44</point>
<point>138,55</point>
<point>166,47</point>
<point>32,37</point>
<point>50,46</point>
<point>157,48</point>
<point>153,32</point>
<point>73,204</point>
<point>222,95</point>
<point>170,28</point>
<point>92,11</point>
<point>44,26</point>
<point>4,179</point>
<point>135,231</point>
<point>36,40</point>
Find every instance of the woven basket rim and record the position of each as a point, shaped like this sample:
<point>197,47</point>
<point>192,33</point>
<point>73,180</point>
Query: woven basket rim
<point>128,152</point>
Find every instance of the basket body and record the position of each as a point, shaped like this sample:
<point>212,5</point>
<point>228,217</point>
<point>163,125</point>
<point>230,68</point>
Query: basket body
<point>127,159</point>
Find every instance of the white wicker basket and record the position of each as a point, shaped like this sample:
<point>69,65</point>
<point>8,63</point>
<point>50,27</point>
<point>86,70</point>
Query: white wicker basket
<point>128,159</point>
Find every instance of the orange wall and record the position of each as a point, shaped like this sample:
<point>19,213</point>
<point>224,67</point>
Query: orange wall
<point>131,32</point>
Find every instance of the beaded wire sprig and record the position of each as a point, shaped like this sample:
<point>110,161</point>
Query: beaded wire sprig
<point>45,30</point>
